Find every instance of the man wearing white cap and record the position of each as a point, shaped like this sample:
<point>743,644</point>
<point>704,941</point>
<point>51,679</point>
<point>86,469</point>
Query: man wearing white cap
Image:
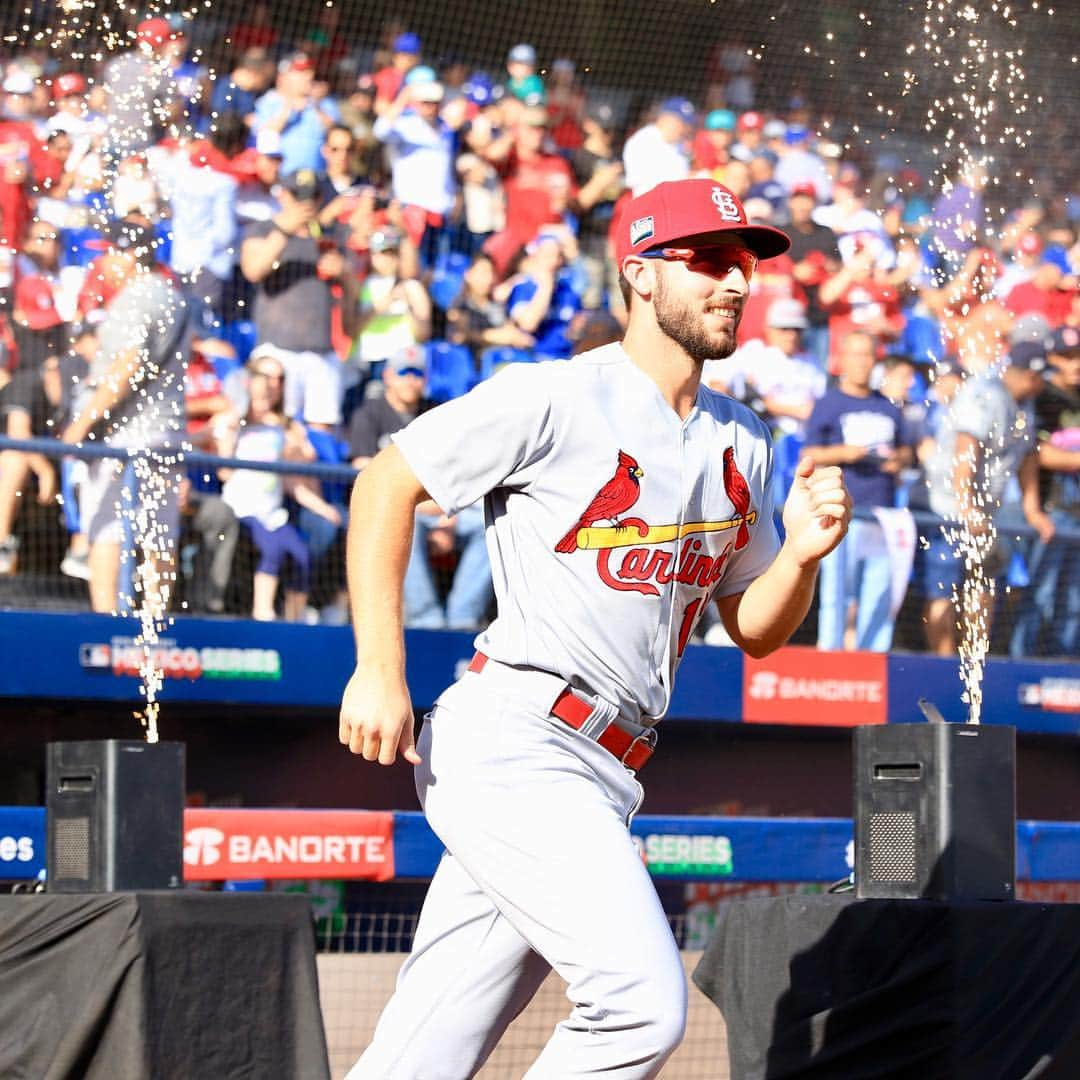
<point>658,151</point>
<point>421,149</point>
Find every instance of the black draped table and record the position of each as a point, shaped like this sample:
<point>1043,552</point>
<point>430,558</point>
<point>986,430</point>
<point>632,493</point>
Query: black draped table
<point>162,985</point>
<point>833,987</point>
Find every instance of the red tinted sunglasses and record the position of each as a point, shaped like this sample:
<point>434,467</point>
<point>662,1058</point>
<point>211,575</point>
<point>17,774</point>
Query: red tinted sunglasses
<point>714,261</point>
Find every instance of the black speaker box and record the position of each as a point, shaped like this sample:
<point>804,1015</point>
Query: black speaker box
<point>935,811</point>
<point>115,815</point>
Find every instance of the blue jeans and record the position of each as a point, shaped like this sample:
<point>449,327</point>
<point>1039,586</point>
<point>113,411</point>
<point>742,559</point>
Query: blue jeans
<point>1049,619</point>
<point>858,569</point>
<point>471,590</point>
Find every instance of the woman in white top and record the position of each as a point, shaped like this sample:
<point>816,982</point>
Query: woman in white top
<point>258,497</point>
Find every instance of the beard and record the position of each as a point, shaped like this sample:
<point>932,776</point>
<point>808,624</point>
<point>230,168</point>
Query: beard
<point>685,325</point>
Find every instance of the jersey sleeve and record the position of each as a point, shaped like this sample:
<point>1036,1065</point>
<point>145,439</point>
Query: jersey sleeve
<point>491,437</point>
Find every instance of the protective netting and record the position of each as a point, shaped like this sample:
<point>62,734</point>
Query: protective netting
<point>372,197</point>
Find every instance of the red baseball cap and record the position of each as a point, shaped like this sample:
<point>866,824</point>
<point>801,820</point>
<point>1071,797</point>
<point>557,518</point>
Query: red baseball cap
<point>36,304</point>
<point>804,187</point>
<point>750,121</point>
<point>693,212</point>
<point>154,32</point>
<point>68,84</point>
<point>1030,243</point>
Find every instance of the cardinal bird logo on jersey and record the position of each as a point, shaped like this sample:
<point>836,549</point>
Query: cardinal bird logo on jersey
<point>611,502</point>
<point>738,491</point>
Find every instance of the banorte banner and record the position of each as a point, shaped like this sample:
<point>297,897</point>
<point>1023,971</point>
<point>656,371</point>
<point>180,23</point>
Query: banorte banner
<point>255,844</point>
<point>799,685</point>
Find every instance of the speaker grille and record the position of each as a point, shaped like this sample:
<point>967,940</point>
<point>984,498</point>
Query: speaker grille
<point>892,847</point>
<point>71,841</point>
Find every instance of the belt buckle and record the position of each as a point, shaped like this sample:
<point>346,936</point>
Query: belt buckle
<point>648,737</point>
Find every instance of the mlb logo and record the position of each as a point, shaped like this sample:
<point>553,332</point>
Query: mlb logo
<point>725,202</point>
<point>641,229</point>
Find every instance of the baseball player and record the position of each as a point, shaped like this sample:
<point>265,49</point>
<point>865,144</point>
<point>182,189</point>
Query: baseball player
<point>621,496</point>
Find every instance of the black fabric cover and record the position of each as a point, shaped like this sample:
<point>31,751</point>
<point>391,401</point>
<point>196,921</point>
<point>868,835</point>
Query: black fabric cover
<point>173,986</point>
<point>829,986</point>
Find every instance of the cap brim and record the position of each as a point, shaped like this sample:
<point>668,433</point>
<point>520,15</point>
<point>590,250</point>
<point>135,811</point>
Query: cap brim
<point>763,240</point>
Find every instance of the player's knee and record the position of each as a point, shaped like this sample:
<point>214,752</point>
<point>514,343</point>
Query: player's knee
<point>652,1010</point>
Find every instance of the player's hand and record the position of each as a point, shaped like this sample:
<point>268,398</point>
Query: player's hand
<point>377,716</point>
<point>817,512</point>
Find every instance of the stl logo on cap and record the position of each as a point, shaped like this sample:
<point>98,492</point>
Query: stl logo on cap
<point>642,229</point>
<point>726,204</point>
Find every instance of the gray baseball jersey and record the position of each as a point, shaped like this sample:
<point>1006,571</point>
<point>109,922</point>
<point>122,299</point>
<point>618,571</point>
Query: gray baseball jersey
<point>610,521</point>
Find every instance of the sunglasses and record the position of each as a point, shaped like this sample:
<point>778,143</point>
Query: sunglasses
<point>714,261</point>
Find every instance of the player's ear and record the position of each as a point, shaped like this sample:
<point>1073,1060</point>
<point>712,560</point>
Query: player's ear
<point>640,275</point>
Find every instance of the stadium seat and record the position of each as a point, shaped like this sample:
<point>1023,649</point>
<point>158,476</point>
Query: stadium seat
<point>240,334</point>
<point>80,246</point>
<point>787,449</point>
<point>448,278</point>
<point>451,371</point>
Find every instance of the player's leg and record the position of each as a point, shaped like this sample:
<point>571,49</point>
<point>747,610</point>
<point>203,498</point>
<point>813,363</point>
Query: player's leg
<point>536,814</point>
<point>468,975</point>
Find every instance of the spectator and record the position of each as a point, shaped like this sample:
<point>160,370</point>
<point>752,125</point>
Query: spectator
<point>784,378</point>
<point>749,131</point>
<point>1049,621</point>
<point>394,309</point>
<point>657,151</point>
<point>799,164</point>
<point>23,161</point>
<point>204,232</point>
<point>142,97</point>
<point>857,428</point>
<point>389,80</point>
<point>143,346</point>
<point>256,31</point>
<point>1027,257</point>
<point>24,404</point>
<point>538,185</point>
<point>256,197</point>
<point>598,173</point>
<point>422,150</point>
<point>294,111</point>
<point>522,79</point>
<point>479,321</point>
<point>566,106</point>
<point>815,257</point>
<point>435,534</point>
<point>542,300</point>
<point>293,274</point>
<point>985,440</point>
<point>1047,293</point>
<point>258,498</point>
<point>339,176</point>
<point>856,298</point>
<point>482,196</point>
<point>958,216</point>
<point>712,144</point>
<point>239,91</point>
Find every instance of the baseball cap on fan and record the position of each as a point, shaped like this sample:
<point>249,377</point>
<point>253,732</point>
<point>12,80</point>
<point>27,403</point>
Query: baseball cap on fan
<point>69,84</point>
<point>154,32</point>
<point>1028,355</point>
<point>409,360</point>
<point>1065,341</point>
<point>786,313</point>
<point>679,107</point>
<point>689,212</point>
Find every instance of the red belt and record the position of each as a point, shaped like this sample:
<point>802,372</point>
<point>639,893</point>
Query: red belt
<point>632,751</point>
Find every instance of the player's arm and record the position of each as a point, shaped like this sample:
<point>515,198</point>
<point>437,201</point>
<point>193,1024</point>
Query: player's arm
<point>816,516</point>
<point>376,710</point>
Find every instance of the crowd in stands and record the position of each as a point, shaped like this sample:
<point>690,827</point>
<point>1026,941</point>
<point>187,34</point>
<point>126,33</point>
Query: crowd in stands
<point>348,234</point>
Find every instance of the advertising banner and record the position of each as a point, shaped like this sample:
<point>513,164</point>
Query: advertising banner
<point>799,685</point>
<point>238,844</point>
